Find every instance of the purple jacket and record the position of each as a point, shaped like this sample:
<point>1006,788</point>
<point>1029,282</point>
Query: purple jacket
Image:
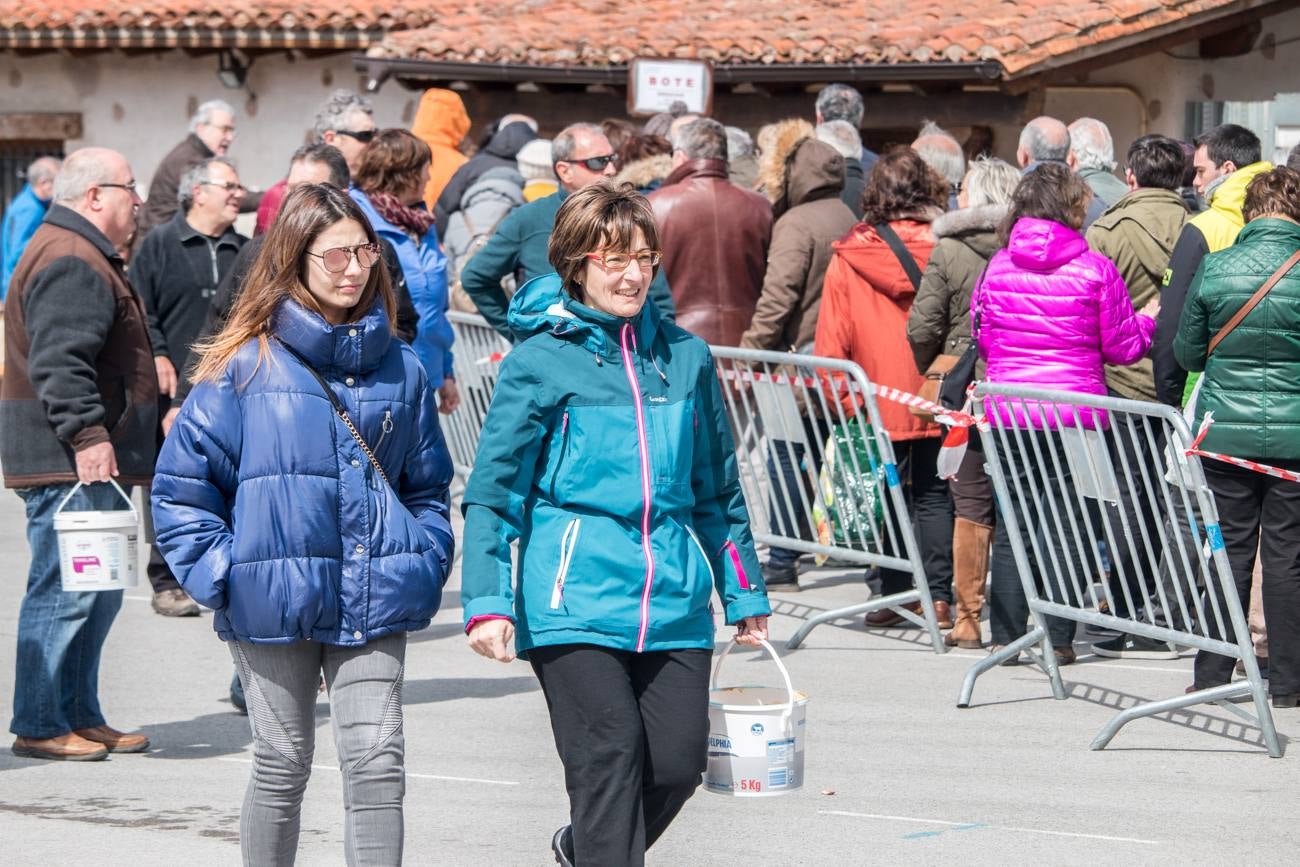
<point>1050,313</point>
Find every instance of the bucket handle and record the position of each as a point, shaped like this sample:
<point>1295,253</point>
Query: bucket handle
<point>130,505</point>
<point>785,675</point>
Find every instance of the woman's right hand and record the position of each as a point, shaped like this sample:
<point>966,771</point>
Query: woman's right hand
<point>492,638</point>
<point>1152,308</point>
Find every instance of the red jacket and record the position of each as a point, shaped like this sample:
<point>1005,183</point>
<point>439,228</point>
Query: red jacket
<point>865,301</point>
<point>714,236</point>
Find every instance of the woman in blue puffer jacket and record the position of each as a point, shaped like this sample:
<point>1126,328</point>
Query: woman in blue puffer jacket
<point>389,187</point>
<point>316,553</point>
<point>606,453</point>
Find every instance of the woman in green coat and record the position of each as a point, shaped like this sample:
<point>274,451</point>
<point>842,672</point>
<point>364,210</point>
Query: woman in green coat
<point>1252,386</point>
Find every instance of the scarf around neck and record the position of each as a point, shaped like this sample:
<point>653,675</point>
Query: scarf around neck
<point>414,220</point>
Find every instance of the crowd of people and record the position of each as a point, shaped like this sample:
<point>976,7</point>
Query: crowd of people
<point>148,342</point>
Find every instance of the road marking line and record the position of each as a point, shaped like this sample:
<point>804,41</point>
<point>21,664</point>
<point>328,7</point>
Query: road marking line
<point>969,825</point>
<point>316,767</point>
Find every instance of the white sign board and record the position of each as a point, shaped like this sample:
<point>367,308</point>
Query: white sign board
<point>654,85</point>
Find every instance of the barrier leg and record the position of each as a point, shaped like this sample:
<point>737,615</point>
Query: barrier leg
<point>993,660</point>
<point>894,601</point>
<point>1213,694</point>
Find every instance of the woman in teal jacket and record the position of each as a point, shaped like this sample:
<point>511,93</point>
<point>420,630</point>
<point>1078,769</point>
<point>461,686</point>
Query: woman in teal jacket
<point>1252,387</point>
<point>606,453</point>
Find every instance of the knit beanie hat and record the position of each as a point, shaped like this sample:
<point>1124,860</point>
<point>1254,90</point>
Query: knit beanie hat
<point>534,160</point>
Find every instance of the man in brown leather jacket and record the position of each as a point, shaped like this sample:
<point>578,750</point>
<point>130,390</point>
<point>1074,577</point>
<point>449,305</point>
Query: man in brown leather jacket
<point>714,237</point>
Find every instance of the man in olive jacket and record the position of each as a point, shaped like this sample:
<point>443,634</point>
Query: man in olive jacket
<point>1138,234</point>
<point>79,403</point>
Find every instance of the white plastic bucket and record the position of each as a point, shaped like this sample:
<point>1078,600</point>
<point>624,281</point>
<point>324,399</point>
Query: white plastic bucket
<point>98,550</point>
<point>756,736</point>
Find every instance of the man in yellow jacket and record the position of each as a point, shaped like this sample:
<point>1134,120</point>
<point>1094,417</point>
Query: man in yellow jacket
<point>1227,159</point>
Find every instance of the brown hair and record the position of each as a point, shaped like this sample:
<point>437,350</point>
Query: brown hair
<point>643,146</point>
<point>392,163</point>
<point>278,274</point>
<point>1273,192</point>
<point>900,186</point>
<point>1050,192</point>
<point>601,216</point>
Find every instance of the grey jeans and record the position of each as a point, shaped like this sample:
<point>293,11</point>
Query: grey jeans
<point>281,683</point>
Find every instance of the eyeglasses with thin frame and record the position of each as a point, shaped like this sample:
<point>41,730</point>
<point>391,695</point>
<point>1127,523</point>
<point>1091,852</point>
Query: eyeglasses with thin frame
<point>616,262</point>
<point>129,187</point>
<point>595,164</point>
<point>224,130</point>
<point>365,136</point>
<point>228,186</point>
<point>336,259</point>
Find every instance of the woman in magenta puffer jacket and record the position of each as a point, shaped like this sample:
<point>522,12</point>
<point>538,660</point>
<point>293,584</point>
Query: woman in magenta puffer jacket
<point>1049,312</point>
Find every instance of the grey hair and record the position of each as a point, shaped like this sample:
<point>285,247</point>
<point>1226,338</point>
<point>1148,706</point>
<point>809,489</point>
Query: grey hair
<point>1091,144</point>
<point>199,173</point>
<point>204,112</point>
<point>1045,138</point>
<point>840,102</point>
<point>990,181</point>
<point>333,114</point>
<point>843,136</point>
<point>739,143</point>
<point>702,139</point>
<point>43,169</point>
<point>1293,159</point>
<point>566,143</point>
<point>941,152</point>
<point>82,170</point>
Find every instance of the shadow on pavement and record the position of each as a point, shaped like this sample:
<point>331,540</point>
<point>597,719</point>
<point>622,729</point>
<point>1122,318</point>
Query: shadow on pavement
<point>207,736</point>
<point>435,689</point>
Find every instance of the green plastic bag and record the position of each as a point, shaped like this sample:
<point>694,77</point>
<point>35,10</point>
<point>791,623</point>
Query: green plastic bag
<point>851,512</point>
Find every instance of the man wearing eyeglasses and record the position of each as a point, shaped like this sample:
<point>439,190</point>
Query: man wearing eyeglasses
<point>582,155</point>
<point>176,270</point>
<point>212,132</point>
<point>79,403</point>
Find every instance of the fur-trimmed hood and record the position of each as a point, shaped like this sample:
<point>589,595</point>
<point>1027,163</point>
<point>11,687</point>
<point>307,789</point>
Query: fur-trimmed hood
<point>646,172</point>
<point>981,218</point>
<point>772,163</point>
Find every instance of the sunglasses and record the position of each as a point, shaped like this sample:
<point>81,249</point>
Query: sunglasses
<point>336,259</point>
<point>595,164</point>
<point>365,136</point>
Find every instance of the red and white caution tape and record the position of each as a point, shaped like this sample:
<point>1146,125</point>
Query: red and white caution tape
<point>494,358</point>
<point>1254,466</point>
<point>942,414</point>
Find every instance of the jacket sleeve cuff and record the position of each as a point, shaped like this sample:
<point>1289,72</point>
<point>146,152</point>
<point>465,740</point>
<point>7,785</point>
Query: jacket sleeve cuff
<point>483,618</point>
<point>89,436</point>
<point>753,605</point>
<point>487,606</point>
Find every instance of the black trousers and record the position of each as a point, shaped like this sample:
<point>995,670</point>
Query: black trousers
<point>1259,512</point>
<point>1136,566</point>
<point>632,731</point>
<point>929,506</point>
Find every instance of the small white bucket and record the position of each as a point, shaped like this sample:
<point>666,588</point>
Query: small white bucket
<point>756,736</point>
<point>98,550</point>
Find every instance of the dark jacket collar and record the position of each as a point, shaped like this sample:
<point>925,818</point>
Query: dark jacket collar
<point>697,169</point>
<point>186,232</point>
<point>199,147</point>
<point>66,218</point>
<point>353,347</point>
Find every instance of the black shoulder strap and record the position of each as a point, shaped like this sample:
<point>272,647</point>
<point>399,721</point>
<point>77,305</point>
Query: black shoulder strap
<point>904,256</point>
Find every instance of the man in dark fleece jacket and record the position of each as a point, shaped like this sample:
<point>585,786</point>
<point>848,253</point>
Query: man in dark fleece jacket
<point>79,404</point>
<point>506,137</point>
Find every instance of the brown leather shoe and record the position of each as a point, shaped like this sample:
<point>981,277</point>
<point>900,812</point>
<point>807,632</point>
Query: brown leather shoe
<point>174,603</point>
<point>943,614</point>
<point>114,740</point>
<point>65,748</point>
<point>887,617</point>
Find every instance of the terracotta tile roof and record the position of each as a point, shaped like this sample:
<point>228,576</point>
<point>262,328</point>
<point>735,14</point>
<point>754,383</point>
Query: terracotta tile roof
<point>253,23</point>
<point>1022,35</point>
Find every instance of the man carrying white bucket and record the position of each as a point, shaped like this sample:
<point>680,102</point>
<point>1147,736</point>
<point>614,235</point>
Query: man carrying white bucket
<point>79,404</point>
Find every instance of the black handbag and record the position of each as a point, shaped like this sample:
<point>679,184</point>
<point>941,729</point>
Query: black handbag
<point>952,391</point>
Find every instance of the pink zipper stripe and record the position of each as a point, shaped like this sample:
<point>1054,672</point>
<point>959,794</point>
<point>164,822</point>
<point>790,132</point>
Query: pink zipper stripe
<point>644,448</point>
<point>735,562</point>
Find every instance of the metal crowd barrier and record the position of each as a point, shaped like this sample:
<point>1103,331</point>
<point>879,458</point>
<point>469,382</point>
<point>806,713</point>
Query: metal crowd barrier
<point>477,351</point>
<point>1115,472</point>
<point>819,479</point>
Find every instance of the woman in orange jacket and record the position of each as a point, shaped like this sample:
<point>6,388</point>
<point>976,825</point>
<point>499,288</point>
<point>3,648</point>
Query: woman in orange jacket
<point>870,284</point>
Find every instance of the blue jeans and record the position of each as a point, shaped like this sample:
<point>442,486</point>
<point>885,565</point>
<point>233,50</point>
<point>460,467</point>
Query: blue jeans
<point>60,635</point>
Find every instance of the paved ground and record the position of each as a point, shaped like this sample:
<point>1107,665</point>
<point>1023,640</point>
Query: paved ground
<point>896,773</point>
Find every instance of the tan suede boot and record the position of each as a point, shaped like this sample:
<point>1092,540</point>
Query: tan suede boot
<point>970,567</point>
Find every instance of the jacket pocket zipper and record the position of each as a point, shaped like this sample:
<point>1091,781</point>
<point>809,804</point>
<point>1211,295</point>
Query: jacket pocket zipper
<point>708,564</point>
<point>568,543</point>
<point>741,577</point>
<point>384,429</point>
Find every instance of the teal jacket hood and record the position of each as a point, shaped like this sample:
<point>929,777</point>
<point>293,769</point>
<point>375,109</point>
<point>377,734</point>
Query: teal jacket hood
<point>541,305</point>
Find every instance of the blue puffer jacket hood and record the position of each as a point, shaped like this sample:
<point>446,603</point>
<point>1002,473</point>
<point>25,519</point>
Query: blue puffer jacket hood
<point>268,511</point>
<point>606,452</point>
